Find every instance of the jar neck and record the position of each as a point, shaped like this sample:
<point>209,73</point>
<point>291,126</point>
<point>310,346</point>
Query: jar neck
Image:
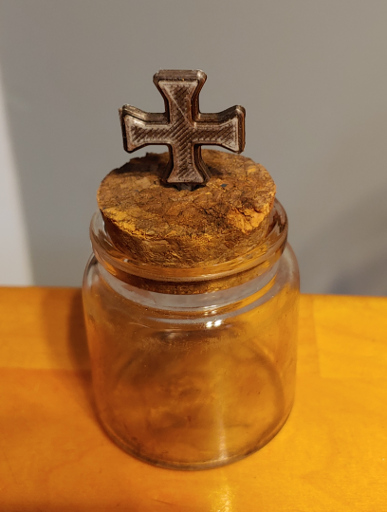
<point>257,265</point>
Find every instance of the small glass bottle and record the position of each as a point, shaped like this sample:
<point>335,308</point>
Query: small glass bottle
<point>193,368</point>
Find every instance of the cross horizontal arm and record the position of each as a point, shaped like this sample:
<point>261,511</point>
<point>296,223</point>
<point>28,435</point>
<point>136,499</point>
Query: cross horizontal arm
<point>140,128</point>
<point>226,129</point>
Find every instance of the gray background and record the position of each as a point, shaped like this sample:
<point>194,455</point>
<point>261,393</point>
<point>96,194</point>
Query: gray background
<point>312,76</point>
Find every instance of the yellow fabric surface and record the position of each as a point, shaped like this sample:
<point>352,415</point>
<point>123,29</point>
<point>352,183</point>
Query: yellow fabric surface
<point>330,456</point>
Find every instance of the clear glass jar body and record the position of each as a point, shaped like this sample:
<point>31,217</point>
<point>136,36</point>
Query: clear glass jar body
<point>187,379</point>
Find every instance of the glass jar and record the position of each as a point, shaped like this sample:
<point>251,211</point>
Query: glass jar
<point>193,368</point>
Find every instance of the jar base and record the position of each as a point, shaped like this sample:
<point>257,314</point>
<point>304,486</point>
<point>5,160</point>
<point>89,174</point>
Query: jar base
<point>195,466</point>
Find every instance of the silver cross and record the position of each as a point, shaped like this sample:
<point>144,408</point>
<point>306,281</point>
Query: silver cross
<point>182,127</point>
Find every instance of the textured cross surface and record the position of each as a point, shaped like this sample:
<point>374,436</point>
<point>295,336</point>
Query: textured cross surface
<point>183,127</point>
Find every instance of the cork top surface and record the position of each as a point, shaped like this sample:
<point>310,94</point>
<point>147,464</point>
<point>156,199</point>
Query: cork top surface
<point>162,225</point>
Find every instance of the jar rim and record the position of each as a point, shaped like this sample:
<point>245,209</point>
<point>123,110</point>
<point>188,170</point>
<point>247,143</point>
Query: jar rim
<point>113,258</point>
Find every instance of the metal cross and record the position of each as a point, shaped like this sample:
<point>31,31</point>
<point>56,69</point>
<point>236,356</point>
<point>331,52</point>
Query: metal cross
<point>183,127</point>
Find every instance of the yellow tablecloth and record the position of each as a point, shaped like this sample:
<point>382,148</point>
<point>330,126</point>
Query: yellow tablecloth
<point>330,456</point>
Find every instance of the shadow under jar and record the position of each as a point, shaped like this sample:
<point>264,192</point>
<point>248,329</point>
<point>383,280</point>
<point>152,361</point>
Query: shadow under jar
<point>193,368</point>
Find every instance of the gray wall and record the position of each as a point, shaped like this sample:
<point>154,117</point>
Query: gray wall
<point>312,76</point>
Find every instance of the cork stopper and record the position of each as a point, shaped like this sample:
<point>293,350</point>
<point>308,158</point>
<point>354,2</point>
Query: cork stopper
<point>161,225</point>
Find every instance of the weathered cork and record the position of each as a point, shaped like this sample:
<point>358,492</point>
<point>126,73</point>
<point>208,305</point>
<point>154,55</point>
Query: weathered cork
<point>161,225</point>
